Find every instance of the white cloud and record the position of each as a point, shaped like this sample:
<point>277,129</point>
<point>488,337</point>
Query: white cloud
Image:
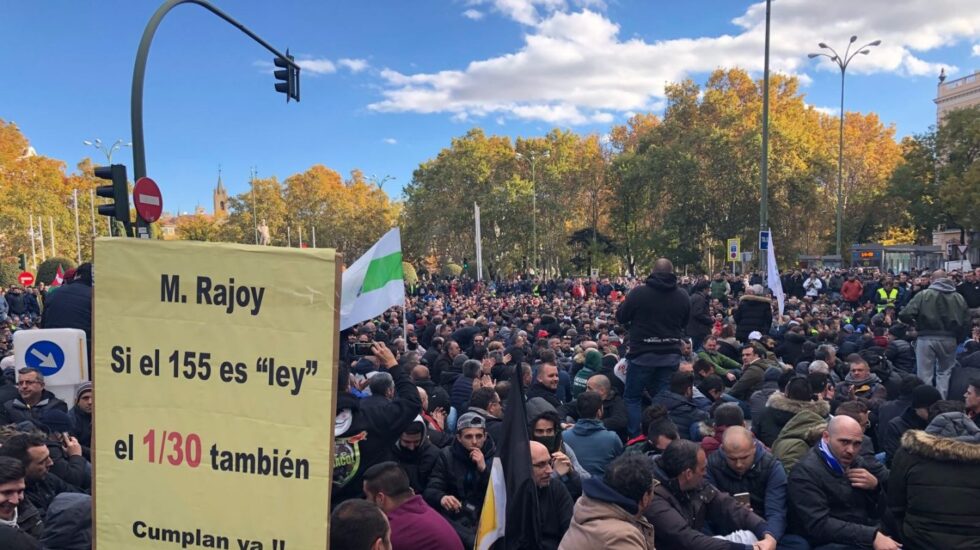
<point>390,141</point>
<point>976,50</point>
<point>830,111</point>
<point>574,67</point>
<point>316,66</point>
<point>353,65</point>
<point>475,15</point>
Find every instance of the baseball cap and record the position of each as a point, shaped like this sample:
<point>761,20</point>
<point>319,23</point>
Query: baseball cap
<point>755,335</point>
<point>470,420</point>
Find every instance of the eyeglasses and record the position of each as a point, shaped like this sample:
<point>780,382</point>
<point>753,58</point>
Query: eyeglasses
<point>542,465</point>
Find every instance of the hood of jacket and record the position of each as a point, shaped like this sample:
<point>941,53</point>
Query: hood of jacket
<point>425,437</point>
<point>536,407</point>
<point>943,285</point>
<point>794,338</point>
<point>754,298</point>
<point>664,282</point>
<point>806,425</point>
<point>943,449</point>
<point>593,360</point>
<point>596,489</point>
<point>68,524</point>
<point>954,424</point>
<point>587,426</point>
<point>780,402</point>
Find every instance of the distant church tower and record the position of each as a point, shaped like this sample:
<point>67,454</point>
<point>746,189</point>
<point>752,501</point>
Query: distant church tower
<point>220,199</point>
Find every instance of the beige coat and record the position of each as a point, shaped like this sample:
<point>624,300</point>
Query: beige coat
<point>603,525</point>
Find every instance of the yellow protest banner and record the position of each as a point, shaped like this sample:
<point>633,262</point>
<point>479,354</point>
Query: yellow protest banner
<point>215,368</point>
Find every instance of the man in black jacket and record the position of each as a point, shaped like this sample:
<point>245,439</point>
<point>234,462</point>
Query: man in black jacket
<point>363,438</point>
<point>699,327</point>
<point>71,306</point>
<point>416,454</point>
<point>657,314</point>
<point>42,485</point>
<point>554,502</point>
<point>834,493</point>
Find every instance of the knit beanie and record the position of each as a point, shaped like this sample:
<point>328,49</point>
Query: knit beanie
<point>82,389</point>
<point>924,396</point>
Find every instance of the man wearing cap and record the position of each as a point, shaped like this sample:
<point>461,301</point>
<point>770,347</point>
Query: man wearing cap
<point>81,416</point>
<point>459,480</point>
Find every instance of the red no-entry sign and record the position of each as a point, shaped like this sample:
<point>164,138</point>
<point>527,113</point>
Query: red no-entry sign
<point>148,200</point>
<point>26,278</point>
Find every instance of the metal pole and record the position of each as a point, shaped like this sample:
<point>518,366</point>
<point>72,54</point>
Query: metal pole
<point>289,240</point>
<point>840,163</point>
<point>534,215</point>
<point>139,72</point>
<point>313,230</point>
<point>40,235</point>
<point>51,225</point>
<point>91,193</point>
<point>255,213</point>
<point>764,168</point>
<point>78,235</point>
<point>33,246</point>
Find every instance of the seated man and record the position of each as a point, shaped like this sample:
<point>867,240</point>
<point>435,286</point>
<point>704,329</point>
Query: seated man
<point>459,480</point>
<point>15,508</point>
<point>610,514</point>
<point>834,492</point>
<point>32,399</point>
<point>753,374</point>
<point>416,454</point>
<point>679,401</point>
<point>684,503</point>
<point>594,445</point>
<point>33,453</point>
<point>724,366</point>
<point>554,502</point>
<point>359,525</point>
<point>744,466</point>
<point>413,523</point>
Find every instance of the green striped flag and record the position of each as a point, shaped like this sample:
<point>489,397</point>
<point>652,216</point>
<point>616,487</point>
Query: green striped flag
<point>374,283</point>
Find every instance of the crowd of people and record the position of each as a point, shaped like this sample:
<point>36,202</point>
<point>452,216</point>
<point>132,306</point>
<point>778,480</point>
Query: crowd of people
<point>45,443</point>
<point>670,412</point>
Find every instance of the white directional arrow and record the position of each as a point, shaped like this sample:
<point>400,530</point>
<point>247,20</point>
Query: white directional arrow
<point>47,359</point>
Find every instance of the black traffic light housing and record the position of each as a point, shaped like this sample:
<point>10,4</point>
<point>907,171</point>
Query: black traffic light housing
<point>22,261</point>
<point>118,192</point>
<point>287,77</point>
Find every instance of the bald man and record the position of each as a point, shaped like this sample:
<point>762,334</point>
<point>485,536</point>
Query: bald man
<point>656,314</point>
<point>554,501</point>
<point>942,319</point>
<point>834,492</point>
<point>743,465</point>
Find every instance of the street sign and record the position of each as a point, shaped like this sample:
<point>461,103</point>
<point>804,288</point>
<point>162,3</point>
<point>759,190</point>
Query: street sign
<point>45,356</point>
<point>733,250</point>
<point>962,249</point>
<point>763,240</point>
<point>60,354</point>
<point>746,257</point>
<point>148,200</point>
<point>26,278</point>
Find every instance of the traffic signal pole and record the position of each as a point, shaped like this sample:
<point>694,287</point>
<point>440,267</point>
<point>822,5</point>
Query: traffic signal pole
<point>139,72</point>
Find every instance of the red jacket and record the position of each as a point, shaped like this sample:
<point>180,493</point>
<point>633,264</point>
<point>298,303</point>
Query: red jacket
<point>852,290</point>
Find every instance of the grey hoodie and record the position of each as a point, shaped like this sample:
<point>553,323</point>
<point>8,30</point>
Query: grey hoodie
<point>938,311</point>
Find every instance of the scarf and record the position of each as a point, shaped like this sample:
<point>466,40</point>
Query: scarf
<point>12,522</point>
<point>829,459</point>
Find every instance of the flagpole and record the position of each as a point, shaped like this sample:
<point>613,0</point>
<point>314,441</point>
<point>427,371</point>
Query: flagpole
<point>40,231</point>
<point>313,231</point>
<point>78,235</point>
<point>51,225</point>
<point>91,194</point>
<point>33,245</point>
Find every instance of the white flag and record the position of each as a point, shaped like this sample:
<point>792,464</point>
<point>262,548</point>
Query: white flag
<point>774,282</point>
<point>374,283</point>
<point>479,243</point>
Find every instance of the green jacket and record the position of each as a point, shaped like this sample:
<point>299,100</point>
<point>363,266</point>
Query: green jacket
<point>752,379</point>
<point>722,362</point>
<point>938,311</point>
<point>797,436</point>
<point>720,289</point>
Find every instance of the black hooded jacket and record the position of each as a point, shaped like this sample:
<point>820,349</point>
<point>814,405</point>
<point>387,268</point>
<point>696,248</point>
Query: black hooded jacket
<point>363,438</point>
<point>656,314</point>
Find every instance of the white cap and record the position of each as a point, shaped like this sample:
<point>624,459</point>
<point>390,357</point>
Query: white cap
<point>755,335</point>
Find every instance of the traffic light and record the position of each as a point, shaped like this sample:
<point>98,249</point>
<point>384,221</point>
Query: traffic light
<point>118,192</point>
<point>22,261</point>
<point>287,76</point>
<point>466,263</point>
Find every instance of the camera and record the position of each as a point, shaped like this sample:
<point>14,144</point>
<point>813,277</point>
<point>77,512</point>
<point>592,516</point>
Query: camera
<point>362,349</point>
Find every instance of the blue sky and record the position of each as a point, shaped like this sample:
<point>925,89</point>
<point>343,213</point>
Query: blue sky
<point>387,84</point>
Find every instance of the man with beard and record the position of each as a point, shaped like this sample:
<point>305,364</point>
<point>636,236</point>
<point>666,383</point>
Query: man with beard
<point>554,502</point>
<point>544,426</point>
<point>416,454</point>
<point>15,509</point>
<point>545,384</point>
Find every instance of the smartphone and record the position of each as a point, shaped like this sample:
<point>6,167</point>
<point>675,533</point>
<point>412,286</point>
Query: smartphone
<point>363,349</point>
<point>742,498</point>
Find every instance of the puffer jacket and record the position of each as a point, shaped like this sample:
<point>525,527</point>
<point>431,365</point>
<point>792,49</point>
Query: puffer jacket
<point>796,438</point>
<point>932,492</point>
<point>682,412</point>
<point>69,523</point>
<point>603,518</point>
<point>779,411</point>
<point>753,313</point>
<point>938,311</point>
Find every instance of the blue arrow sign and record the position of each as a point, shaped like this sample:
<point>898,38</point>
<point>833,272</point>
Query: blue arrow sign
<point>45,356</point>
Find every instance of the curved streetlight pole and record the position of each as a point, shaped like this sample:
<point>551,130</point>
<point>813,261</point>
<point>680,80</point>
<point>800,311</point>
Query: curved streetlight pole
<point>533,158</point>
<point>842,62</point>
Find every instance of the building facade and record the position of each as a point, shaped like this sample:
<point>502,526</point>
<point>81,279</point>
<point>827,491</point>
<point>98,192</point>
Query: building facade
<point>956,94</point>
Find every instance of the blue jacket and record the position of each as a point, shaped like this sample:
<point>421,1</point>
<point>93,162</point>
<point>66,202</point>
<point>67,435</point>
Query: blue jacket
<point>682,411</point>
<point>765,482</point>
<point>594,445</point>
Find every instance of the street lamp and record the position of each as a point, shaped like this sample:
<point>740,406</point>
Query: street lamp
<point>107,151</point>
<point>533,158</point>
<point>842,61</point>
